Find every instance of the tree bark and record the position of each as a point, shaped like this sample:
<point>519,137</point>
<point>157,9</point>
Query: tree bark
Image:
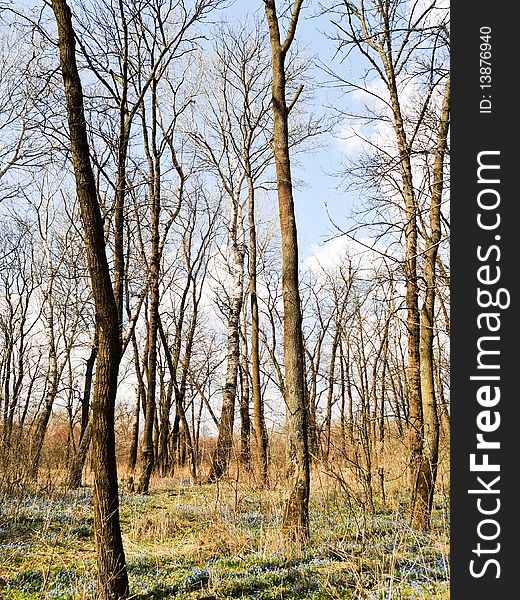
<point>148,449</point>
<point>78,463</point>
<point>112,574</point>
<point>245,419</point>
<point>258,402</point>
<point>85,435</point>
<point>222,454</point>
<point>296,512</point>
<point>140,402</point>
<point>427,473</point>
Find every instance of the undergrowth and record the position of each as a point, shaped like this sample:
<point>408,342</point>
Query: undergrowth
<point>224,541</point>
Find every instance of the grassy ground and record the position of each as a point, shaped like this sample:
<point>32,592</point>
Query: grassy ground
<point>221,542</point>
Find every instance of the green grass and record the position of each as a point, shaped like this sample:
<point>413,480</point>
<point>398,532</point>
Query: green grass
<point>222,542</point>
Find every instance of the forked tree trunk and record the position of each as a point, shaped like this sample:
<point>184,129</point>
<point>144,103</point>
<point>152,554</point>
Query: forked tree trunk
<point>296,512</point>
<point>427,473</point>
<point>112,574</point>
<point>85,436</point>
<point>80,458</point>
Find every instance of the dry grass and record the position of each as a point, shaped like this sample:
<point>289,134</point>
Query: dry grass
<point>225,540</point>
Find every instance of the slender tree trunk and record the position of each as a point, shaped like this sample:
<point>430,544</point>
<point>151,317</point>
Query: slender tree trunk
<point>222,453</point>
<point>245,420</point>
<point>258,402</point>
<point>330,391</point>
<point>85,436</point>
<point>443,405</point>
<point>80,458</point>
<point>348,385</point>
<point>148,448</point>
<point>415,415</point>
<point>427,474</point>
<point>112,574</point>
<point>140,403</point>
<point>122,152</point>
<point>342,395</point>
<point>87,388</point>
<point>312,422</point>
<point>147,453</point>
<point>175,438</point>
<point>165,404</point>
<point>296,513</point>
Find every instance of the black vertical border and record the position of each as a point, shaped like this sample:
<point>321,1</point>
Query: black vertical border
<point>471,133</point>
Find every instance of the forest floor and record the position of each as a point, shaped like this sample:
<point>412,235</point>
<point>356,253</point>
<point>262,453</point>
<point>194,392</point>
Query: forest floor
<point>222,541</point>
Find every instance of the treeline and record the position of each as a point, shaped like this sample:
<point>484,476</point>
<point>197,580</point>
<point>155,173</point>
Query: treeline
<point>144,259</point>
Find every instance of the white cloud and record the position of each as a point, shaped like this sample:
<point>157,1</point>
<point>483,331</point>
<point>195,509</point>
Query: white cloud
<point>335,253</point>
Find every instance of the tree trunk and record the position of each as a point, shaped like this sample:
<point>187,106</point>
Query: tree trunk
<point>296,512</point>
<point>258,402</point>
<point>165,404</point>
<point>147,453</point>
<point>80,458</point>
<point>140,402</point>
<point>134,440</point>
<point>85,435</point>
<point>415,416</point>
<point>245,420</point>
<point>87,388</point>
<point>175,439</point>
<point>120,187</point>
<point>330,391</point>
<point>112,574</point>
<point>427,473</point>
<point>148,449</point>
<point>222,452</point>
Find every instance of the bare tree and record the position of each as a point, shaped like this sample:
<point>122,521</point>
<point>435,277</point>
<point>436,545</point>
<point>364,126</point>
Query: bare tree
<point>18,368</point>
<point>427,473</point>
<point>296,513</point>
<point>20,87</point>
<point>113,578</point>
<point>405,47</point>
<point>179,326</point>
<point>234,143</point>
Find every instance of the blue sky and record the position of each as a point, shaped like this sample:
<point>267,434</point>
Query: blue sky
<point>319,192</point>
